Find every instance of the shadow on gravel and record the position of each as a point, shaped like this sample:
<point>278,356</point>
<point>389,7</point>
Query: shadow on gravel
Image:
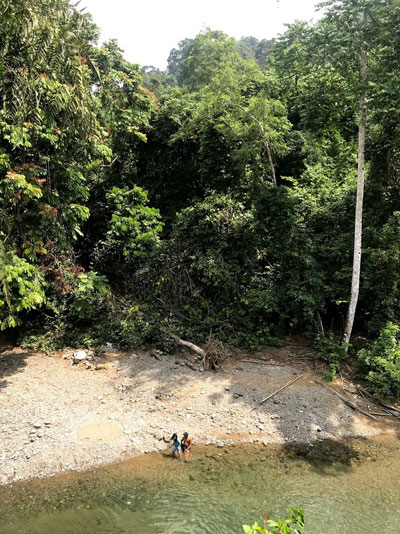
<point>11,362</point>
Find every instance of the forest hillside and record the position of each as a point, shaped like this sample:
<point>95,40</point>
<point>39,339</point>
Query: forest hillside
<point>215,199</point>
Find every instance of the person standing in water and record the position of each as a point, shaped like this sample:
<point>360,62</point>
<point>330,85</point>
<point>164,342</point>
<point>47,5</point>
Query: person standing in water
<point>186,445</point>
<point>175,450</point>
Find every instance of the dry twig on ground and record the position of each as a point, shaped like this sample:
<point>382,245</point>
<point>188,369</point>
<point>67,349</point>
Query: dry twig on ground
<point>282,388</point>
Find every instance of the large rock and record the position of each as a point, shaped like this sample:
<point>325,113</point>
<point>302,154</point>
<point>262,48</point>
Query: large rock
<point>79,356</point>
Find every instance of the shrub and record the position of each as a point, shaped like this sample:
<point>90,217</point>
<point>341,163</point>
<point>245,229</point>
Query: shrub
<point>21,288</point>
<point>90,295</point>
<point>46,342</point>
<point>132,232</point>
<point>77,302</point>
<point>331,351</point>
<point>381,362</point>
<point>129,324</point>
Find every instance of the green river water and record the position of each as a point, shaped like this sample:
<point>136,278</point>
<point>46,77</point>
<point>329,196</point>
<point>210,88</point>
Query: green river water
<point>351,487</point>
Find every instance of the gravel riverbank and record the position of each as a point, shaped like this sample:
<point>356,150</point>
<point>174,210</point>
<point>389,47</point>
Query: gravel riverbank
<point>56,416</point>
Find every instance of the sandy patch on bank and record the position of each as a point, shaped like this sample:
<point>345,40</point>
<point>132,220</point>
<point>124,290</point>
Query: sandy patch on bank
<point>101,431</point>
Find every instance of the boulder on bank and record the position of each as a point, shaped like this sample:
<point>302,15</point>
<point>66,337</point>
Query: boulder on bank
<point>79,356</point>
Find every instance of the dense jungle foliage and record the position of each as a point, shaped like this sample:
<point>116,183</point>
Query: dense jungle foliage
<point>215,198</point>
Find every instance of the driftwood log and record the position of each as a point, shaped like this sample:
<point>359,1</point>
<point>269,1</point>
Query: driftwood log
<point>348,401</point>
<point>187,344</point>
<point>353,405</point>
<point>395,412</point>
<point>211,357</point>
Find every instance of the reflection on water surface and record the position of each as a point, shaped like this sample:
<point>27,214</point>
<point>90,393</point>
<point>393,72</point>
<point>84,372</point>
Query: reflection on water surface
<point>344,487</point>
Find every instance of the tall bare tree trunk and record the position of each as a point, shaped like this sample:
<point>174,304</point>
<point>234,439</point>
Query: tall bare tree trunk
<point>355,282</point>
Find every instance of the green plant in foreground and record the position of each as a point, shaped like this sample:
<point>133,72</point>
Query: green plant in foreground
<point>292,524</point>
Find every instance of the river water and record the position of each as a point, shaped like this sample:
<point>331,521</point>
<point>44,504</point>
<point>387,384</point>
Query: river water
<point>351,487</point>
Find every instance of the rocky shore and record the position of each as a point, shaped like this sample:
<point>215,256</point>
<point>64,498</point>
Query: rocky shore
<point>59,413</point>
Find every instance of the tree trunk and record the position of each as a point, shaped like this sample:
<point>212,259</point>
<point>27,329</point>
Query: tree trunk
<point>320,324</point>
<point>355,282</point>
<point>271,163</point>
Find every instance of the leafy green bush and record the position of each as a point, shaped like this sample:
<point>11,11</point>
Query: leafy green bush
<point>258,339</point>
<point>292,524</point>
<point>381,362</point>
<point>140,325</point>
<point>77,303</point>
<point>59,337</point>
<point>331,351</point>
<point>42,342</point>
<point>89,295</point>
<point>21,287</point>
<point>128,324</point>
<point>133,230</point>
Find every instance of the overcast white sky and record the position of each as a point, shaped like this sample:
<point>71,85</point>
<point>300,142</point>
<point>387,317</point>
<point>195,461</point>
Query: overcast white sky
<point>148,29</point>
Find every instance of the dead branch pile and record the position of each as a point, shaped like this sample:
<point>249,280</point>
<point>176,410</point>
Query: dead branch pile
<point>216,354</point>
<point>212,356</point>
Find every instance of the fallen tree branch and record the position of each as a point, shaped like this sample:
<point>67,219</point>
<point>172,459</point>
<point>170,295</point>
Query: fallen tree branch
<point>388,406</point>
<point>187,344</point>
<point>283,387</point>
<point>263,362</point>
